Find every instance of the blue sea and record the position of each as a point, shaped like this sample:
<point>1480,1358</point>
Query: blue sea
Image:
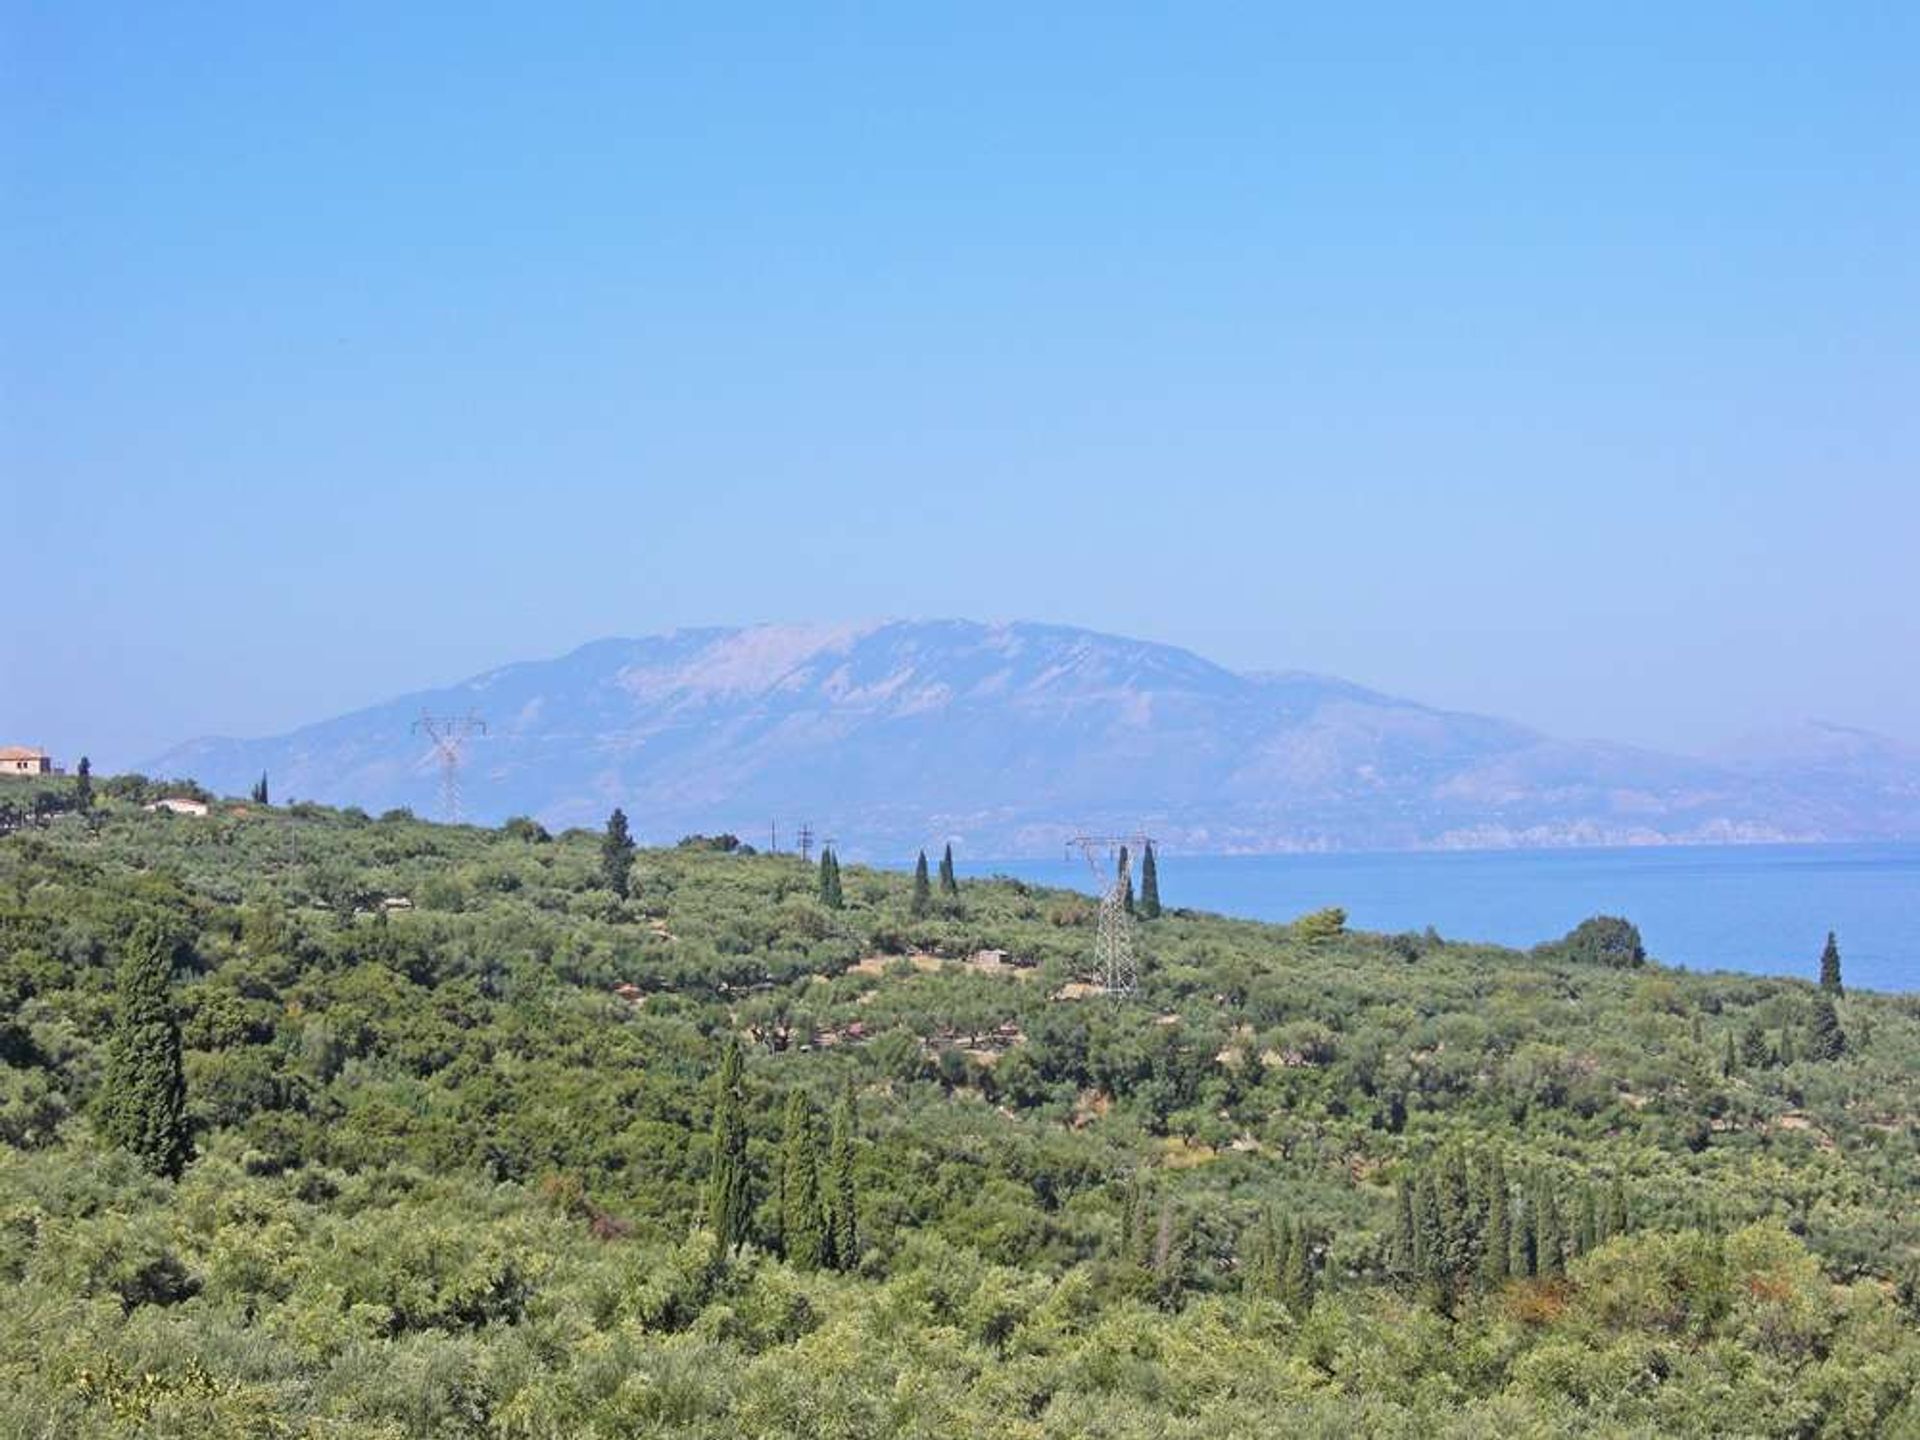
<point>1765,909</point>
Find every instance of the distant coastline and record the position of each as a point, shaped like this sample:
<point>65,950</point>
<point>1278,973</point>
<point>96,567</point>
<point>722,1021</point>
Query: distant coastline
<point>1756,909</point>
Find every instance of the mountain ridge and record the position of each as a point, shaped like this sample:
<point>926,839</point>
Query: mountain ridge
<point>1007,737</point>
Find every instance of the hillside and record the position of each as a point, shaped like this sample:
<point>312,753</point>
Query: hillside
<point>455,1111</point>
<point>1007,738</point>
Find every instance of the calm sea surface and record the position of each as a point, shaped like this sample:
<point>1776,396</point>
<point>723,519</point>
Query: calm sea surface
<point>1760,908</point>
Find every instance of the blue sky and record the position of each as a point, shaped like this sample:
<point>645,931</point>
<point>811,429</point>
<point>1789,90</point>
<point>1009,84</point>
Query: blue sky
<point>1562,366</point>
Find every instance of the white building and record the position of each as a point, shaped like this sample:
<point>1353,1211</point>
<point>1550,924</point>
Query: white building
<point>24,760</point>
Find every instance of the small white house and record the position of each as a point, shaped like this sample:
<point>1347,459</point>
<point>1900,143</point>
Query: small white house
<point>178,805</point>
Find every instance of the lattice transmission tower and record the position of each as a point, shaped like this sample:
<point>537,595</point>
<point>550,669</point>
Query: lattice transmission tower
<point>448,734</point>
<point>1110,857</point>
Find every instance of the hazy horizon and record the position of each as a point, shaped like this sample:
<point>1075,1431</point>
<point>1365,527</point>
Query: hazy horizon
<point>1731,740</point>
<point>1553,367</point>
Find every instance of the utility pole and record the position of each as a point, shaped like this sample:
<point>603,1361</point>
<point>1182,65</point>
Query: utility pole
<point>805,839</point>
<point>448,733</point>
<point>1110,857</point>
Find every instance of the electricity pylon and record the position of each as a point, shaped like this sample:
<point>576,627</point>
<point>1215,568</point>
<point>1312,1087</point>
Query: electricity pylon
<point>448,733</point>
<point>1110,857</point>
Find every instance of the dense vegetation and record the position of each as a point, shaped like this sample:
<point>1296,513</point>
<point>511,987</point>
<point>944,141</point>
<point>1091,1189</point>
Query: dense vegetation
<point>492,1133</point>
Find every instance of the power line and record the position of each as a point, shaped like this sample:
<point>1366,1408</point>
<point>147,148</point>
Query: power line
<point>1110,857</point>
<point>448,734</point>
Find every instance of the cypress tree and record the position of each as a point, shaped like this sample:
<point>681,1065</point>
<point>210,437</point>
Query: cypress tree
<point>1296,1283</point>
<point>1496,1239</point>
<point>259,792</point>
<point>728,1204</point>
<point>1459,1235</point>
<point>949,882</point>
<point>831,895</point>
<point>1730,1062</point>
<point>1149,885</point>
<point>1586,1233</point>
<point>1825,1039</point>
<point>145,1109</point>
<point>1616,1222</point>
<point>1405,1260</point>
<point>1551,1242</point>
<point>1130,1218</point>
<point>1280,1259</point>
<point>1524,1263</point>
<point>1754,1050</point>
<point>83,784</point>
<point>1266,1257</point>
<point>1142,1254</point>
<point>842,1196</point>
<point>803,1220</point>
<point>1429,1232</point>
<point>1830,966</point>
<point>922,891</point>
<point>1126,870</point>
<point>1169,1255</point>
<point>1253,1253</point>
<point>616,855</point>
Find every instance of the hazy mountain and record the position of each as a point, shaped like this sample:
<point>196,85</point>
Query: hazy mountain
<point>1009,737</point>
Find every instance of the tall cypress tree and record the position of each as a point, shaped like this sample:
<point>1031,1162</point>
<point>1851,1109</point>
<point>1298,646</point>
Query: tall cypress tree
<point>1127,870</point>
<point>1617,1221</point>
<point>1459,1234</point>
<point>1551,1240</point>
<point>1149,884</point>
<point>1830,966</point>
<point>1129,1216</point>
<point>843,1201</point>
<point>1405,1259</point>
<point>1169,1255</point>
<point>1280,1257</point>
<point>922,890</point>
<point>145,1107</point>
<point>83,784</point>
<point>1825,1039</point>
<point>728,1204</point>
<point>616,855</point>
<point>259,792</point>
<point>1296,1281</point>
<point>1262,1259</point>
<point>1496,1241</point>
<point>949,882</point>
<point>1429,1230</point>
<point>803,1218</point>
<point>1586,1229</point>
<point>1524,1263</point>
